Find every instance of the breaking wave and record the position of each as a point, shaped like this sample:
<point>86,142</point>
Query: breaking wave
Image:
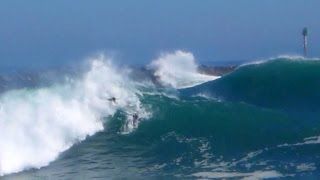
<point>37,124</point>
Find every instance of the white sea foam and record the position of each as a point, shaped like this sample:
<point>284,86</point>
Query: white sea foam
<point>36,125</point>
<point>178,70</point>
<point>307,141</point>
<point>238,175</point>
<point>306,167</point>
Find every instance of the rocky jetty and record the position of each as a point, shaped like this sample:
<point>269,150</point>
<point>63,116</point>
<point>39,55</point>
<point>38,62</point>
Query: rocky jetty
<point>145,74</point>
<point>216,70</point>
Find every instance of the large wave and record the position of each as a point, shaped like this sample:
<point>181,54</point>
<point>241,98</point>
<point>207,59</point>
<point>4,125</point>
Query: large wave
<point>222,137</point>
<point>178,70</point>
<point>285,83</point>
<point>37,124</point>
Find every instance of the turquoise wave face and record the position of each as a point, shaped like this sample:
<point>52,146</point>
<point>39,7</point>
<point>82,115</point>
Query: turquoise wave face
<point>195,134</point>
<point>234,127</point>
<point>280,83</point>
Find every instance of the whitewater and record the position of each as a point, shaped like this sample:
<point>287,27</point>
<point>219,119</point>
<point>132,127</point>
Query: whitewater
<point>47,121</point>
<point>179,70</point>
<point>258,122</point>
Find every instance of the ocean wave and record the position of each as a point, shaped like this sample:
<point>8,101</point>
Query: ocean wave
<point>278,83</point>
<point>236,126</point>
<point>37,124</point>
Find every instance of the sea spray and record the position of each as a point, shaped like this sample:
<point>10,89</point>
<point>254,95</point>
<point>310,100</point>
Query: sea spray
<point>37,124</point>
<point>178,70</point>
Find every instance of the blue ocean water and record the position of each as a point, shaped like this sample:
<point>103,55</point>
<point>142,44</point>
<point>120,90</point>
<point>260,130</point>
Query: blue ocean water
<point>259,121</point>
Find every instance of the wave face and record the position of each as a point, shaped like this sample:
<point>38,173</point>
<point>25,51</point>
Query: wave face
<point>197,137</point>
<point>178,70</point>
<point>258,122</point>
<point>279,83</point>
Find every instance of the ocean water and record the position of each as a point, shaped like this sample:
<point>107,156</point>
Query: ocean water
<point>260,121</point>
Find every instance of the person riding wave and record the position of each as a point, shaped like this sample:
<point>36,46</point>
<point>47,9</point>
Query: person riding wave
<point>113,99</point>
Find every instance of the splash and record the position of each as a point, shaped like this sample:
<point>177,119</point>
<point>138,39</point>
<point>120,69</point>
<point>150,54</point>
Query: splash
<point>38,124</point>
<point>178,70</point>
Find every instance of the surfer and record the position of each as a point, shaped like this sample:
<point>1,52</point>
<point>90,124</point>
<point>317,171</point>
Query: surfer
<point>113,99</point>
<point>135,118</point>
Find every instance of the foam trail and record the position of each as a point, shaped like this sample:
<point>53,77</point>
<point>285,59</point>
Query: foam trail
<point>237,175</point>
<point>36,125</point>
<point>178,70</point>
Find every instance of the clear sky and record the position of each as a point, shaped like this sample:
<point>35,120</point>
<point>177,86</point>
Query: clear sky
<point>37,33</point>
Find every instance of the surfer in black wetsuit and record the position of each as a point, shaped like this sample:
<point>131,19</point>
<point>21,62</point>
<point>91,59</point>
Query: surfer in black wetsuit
<point>135,119</point>
<point>113,99</point>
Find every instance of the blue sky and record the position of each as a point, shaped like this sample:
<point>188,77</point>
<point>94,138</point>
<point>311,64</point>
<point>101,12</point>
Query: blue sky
<point>38,33</point>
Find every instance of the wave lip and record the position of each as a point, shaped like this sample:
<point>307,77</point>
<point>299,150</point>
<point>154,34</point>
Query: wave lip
<point>280,57</point>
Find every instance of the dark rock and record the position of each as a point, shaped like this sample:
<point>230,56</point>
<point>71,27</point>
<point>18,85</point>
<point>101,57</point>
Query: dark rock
<point>216,70</point>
